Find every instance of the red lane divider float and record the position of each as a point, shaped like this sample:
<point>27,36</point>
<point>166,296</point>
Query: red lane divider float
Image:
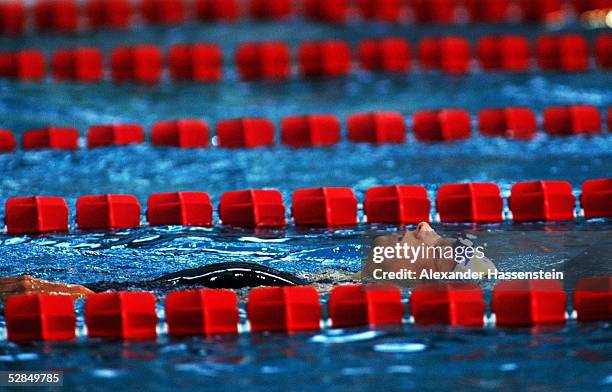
<point>114,14</point>
<point>441,125</point>
<point>377,128</point>
<point>386,54</point>
<point>504,53</point>
<point>184,133</point>
<point>325,206</point>
<point>163,12</point>
<point>593,299</point>
<point>180,208</point>
<point>460,304</point>
<point>542,201</point>
<point>245,132</point>
<point>566,52</point>
<point>140,63</point>
<point>397,204</point>
<point>40,317</point>
<point>217,10</point>
<point>291,309</point>
<point>529,303</point>
<point>596,198</point>
<point>570,120</point>
<point>252,208</point>
<point>263,60</point>
<point>54,138</point>
<point>114,135</point>
<point>107,212</point>
<point>8,142</point>
<point>448,54</point>
<point>273,60</point>
<point>71,16</point>
<point>121,315</point>
<point>27,65</point>
<point>513,122</point>
<point>80,64</point>
<point>196,62</point>
<point>36,214</point>
<point>202,312</point>
<point>284,309</point>
<point>311,130</point>
<point>537,201</point>
<point>324,58</point>
<point>362,305</point>
<point>471,202</point>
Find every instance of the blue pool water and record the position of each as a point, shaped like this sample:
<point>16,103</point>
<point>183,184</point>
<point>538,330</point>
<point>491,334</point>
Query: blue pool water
<point>574,357</point>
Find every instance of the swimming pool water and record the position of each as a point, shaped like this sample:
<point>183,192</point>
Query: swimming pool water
<point>574,357</point>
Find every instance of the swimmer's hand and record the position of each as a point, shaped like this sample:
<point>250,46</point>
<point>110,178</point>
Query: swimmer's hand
<point>26,284</point>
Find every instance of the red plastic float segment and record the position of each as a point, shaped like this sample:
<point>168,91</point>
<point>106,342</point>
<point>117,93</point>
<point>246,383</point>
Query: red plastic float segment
<point>508,53</point>
<point>115,14</point>
<point>361,305</point>
<point>23,65</point>
<point>377,127</point>
<point>36,214</point>
<point>324,58</point>
<point>310,130</point>
<point>514,122</point>
<point>114,135</point>
<point>609,119</point>
<point>202,312</point>
<point>284,309</point>
<point>217,10</point>
<point>441,125</point>
<point>434,11</point>
<point>582,6</point>
<point>166,12</point>
<point>81,64</point>
<point>491,11</point>
<point>8,142</point>
<point>386,54</point>
<point>107,212</point>
<point>263,60</point>
<point>140,63</point>
<point>603,50</point>
<point>571,120</point>
<point>183,133</point>
<point>331,11</point>
<point>542,201</point>
<point>596,198</point>
<point>270,9</point>
<point>12,17</point>
<point>526,303</point>
<point>325,206</point>
<point>381,10</point>
<point>180,208</point>
<point>457,304</point>
<point>397,204</point>
<point>448,54</point>
<point>61,16</point>
<point>245,132</point>
<point>549,11</point>
<point>55,138</point>
<point>470,202</point>
<point>566,52</point>
<point>121,315</point>
<point>197,62</point>
<point>252,208</point>
<point>40,317</point>
<point>593,299</point>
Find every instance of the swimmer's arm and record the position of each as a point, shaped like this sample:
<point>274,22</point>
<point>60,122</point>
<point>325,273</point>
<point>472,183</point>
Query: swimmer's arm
<point>26,284</point>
